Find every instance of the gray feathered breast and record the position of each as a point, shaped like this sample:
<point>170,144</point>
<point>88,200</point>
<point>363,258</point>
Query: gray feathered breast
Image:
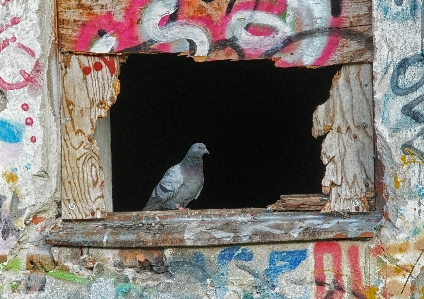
<point>181,183</point>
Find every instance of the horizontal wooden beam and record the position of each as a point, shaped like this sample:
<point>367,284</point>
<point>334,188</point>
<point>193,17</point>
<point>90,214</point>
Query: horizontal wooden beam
<point>211,227</point>
<point>317,33</point>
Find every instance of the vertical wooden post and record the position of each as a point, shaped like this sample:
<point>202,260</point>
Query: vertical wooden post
<point>89,88</point>
<point>348,149</point>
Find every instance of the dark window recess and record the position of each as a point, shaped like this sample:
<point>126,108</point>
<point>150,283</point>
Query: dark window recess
<point>254,118</point>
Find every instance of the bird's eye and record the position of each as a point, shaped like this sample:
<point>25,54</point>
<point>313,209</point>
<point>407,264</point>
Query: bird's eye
<point>199,147</point>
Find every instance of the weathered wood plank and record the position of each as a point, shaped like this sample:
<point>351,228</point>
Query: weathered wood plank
<point>211,227</point>
<point>315,33</point>
<point>348,149</point>
<point>102,135</point>
<point>89,87</point>
<point>300,202</point>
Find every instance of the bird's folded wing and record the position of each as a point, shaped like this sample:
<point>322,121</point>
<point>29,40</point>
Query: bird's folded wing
<point>167,188</point>
<point>200,189</point>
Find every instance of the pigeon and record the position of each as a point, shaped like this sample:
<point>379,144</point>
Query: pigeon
<point>181,183</point>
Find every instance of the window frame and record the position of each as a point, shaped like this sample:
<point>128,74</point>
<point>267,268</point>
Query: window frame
<point>292,218</point>
<point>90,86</point>
<point>86,169</point>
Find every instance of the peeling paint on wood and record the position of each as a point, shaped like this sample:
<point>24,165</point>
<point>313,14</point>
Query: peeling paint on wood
<point>348,149</point>
<point>89,88</point>
<point>211,227</point>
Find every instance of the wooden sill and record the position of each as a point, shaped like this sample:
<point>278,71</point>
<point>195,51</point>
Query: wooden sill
<point>212,227</point>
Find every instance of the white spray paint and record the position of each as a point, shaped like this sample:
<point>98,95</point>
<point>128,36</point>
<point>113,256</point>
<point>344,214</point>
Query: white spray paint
<point>175,31</point>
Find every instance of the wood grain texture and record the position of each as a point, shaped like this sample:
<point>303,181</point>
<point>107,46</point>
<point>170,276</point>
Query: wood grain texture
<point>344,37</point>
<point>300,202</point>
<point>348,149</point>
<point>89,87</point>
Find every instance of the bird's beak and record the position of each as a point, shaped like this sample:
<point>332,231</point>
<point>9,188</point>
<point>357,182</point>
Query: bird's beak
<point>207,152</point>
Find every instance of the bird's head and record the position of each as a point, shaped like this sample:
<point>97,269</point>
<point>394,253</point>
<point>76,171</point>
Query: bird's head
<point>198,149</point>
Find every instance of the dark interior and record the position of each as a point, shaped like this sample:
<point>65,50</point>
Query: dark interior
<point>254,118</point>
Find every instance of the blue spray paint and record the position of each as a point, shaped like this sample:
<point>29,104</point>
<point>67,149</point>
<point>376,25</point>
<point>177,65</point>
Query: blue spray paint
<point>281,262</point>
<point>234,253</point>
<point>224,258</point>
<point>127,290</point>
<point>9,132</point>
<point>403,11</point>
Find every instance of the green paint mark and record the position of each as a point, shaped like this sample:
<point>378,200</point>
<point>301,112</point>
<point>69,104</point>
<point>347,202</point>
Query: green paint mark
<point>13,265</point>
<point>283,16</point>
<point>247,295</point>
<point>67,276</point>
<point>14,286</point>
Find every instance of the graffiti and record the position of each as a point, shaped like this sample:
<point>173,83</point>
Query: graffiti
<point>304,224</point>
<point>224,258</point>
<point>265,282</point>
<point>400,70</point>
<point>401,266</point>
<point>8,219</point>
<point>249,29</point>
<point>402,10</point>
<point>336,8</point>
<point>281,262</point>
<point>335,288</point>
<point>10,132</point>
<point>25,78</point>
<point>413,157</point>
<point>400,88</point>
<point>98,66</point>
<point>271,271</point>
<point>410,272</point>
<point>174,31</point>
<point>14,78</point>
<point>3,101</point>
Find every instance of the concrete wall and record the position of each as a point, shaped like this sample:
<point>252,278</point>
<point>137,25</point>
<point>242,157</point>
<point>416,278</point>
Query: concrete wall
<point>29,148</point>
<point>398,73</point>
<point>389,266</point>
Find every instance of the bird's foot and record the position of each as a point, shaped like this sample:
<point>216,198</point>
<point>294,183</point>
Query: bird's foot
<point>181,208</point>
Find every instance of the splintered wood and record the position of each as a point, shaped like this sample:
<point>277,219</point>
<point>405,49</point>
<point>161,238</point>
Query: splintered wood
<point>348,149</point>
<point>89,86</point>
<point>300,202</point>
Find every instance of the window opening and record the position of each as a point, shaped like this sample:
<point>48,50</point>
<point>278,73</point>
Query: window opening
<point>254,118</point>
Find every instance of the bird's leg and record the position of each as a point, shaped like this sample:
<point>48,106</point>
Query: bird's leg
<point>181,208</point>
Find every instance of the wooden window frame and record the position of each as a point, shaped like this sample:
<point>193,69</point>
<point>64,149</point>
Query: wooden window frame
<point>90,86</point>
<point>292,218</point>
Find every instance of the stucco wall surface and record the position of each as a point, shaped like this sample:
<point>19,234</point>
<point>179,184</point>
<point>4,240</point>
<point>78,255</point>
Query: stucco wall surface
<point>302,270</point>
<point>29,149</point>
<point>398,79</point>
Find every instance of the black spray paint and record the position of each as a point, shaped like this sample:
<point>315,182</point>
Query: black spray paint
<point>408,109</point>
<point>336,8</point>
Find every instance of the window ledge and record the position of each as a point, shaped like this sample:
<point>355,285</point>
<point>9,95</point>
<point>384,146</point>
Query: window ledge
<point>212,227</point>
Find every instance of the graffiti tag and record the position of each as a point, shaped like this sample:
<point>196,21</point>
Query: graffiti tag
<point>409,109</point>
